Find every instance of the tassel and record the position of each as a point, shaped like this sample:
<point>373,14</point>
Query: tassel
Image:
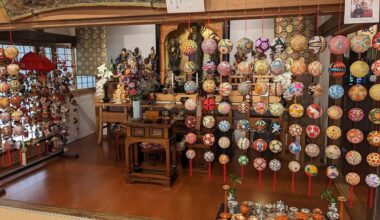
<point>224,172</point>
<point>293,182</point>
<point>351,195</point>
<point>241,172</point>
<point>309,187</point>
<point>371,197</point>
<point>209,171</point>
<point>191,168</point>
<point>274,181</point>
<point>259,181</point>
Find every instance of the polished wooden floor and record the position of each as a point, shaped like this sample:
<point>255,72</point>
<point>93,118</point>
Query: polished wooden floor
<point>96,182</point>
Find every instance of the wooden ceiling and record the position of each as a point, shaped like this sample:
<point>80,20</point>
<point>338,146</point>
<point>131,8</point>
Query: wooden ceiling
<point>123,15</point>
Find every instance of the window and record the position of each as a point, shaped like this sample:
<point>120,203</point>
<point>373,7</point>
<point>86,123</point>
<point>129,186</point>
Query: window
<point>85,82</point>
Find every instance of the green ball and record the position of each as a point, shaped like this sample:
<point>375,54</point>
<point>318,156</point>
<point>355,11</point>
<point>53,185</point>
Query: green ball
<point>243,160</point>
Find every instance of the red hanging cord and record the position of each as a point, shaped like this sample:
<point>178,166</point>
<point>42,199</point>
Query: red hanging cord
<point>370,197</point>
<point>351,195</point>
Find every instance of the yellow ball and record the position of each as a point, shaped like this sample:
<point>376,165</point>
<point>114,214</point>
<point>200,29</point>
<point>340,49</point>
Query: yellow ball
<point>359,69</point>
<point>374,92</point>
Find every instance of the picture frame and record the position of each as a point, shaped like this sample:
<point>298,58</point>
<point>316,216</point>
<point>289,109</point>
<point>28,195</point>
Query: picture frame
<point>361,11</point>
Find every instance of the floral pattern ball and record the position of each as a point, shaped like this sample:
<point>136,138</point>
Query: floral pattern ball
<point>312,150</point>
<point>315,89</point>
<point>376,41</point>
<point>189,47</point>
<point>373,138</point>
<point>224,142</point>
<point>295,130</point>
<point>225,46</point>
<point>315,68</point>
<point>336,91</point>
<point>314,111</point>
<point>208,139</point>
<point>225,89</point>
<point>352,178</point>
<point>375,68</point>
<point>333,132</point>
<point>260,126</point>
<point>209,46</point>
<point>313,131</point>
<point>260,107</point>
<point>277,67</point>
<point>191,121</point>
<point>357,93</point>
<point>209,121</point>
<point>353,157</point>
<point>297,89</point>
<point>355,136</point>
<point>276,109</point>
<point>190,87</point>
<point>374,116</point>
<point>335,112</point>
<point>356,114</point>
<point>260,88</point>
<point>339,45</point>
<point>244,88</point>
<point>224,126</point>
<point>372,180</point>
<point>360,43</point>
<point>209,67</point>
<point>373,159</point>
<point>261,67</point>
<point>224,68</point>
<point>190,104</point>
<point>296,110</point>
<point>245,45</point>
<point>298,67</point>
<point>209,86</point>
<point>224,108</point>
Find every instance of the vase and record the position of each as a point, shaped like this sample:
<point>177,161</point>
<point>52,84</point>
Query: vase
<point>136,108</point>
<point>105,97</point>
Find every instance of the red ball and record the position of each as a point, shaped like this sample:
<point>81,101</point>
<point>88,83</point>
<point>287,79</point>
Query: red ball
<point>209,103</point>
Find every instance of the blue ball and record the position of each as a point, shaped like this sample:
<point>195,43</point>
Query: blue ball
<point>336,91</point>
<point>295,148</point>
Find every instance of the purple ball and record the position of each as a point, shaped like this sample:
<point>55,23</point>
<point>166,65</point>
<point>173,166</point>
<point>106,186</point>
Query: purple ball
<point>209,67</point>
<point>262,44</point>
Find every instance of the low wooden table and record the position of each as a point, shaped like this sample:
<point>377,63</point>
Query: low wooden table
<point>156,133</point>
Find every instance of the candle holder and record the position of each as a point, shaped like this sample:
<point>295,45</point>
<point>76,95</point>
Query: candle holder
<point>225,214</point>
<point>341,200</point>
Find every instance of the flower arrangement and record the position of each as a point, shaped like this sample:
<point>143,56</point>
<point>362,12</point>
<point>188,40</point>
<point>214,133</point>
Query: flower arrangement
<point>104,73</point>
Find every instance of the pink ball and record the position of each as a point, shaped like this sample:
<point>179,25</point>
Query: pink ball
<point>209,46</point>
<point>191,138</point>
<point>224,68</point>
<point>339,45</point>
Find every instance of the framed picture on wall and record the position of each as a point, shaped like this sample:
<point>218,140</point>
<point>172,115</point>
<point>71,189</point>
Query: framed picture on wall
<point>361,11</point>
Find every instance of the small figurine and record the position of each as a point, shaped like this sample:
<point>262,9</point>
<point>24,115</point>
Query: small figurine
<point>119,95</point>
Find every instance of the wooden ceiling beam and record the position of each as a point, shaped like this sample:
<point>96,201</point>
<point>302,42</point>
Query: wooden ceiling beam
<point>37,37</point>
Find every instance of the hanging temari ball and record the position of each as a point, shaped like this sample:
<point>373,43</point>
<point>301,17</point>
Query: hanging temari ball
<point>315,68</point>
<point>337,69</point>
<point>208,121</point>
<point>11,52</point>
<point>374,92</point>
<point>225,89</point>
<point>294,166</point>
<point>275,146</point>
<point>317,44</point>
<point>262,44</point>
<point>353,157</point>
<point>243,107</point>
<point>375,68</point>
<point>209,46</point>
<point>225,46</point>
<point>339,45</point>
<point>276,89</point>
<point>360,43</point>
<point>224,68</point>
<point>260,88</point>
<point>244,68</point>
<point>278,45</point>
<point>357,93</point>
<point>224,142</point>
<point>311,170</point>
<point>277,67</point>
<point>373,159</point>
<point>296,110</point>
<point>295,130</point>
<point>298,67</point>
<point>243,143</point>
<point>224,159</point>
<point>260,126</point>
<point>372,180</point>
<point>373,138</point>
<point>332,172</point>
<point>209,156</point>
<point>274,165</point>
<point>189,47</point>
<point>208,139</point>
<point>276,109</point>
<point>191,138</point>
<point>259,163</point>
<point>243,160</point>
<point>374,116</point>
<point>298,43</point>
<point>354,136</point>
<point>191,121</point>
<point>332,152</point>
<point>259,145</point>
<point>314,111</point>
<point>312,150</point>
<point>356,114</point>
<point>208,103</point>
<point>190,67</point>
<point>295,148</point>
<point>224,108</point>
<point>315,89</point>
<point>209,86</point>
<point>224,126</point>
<point>297,89</point>
<point>190,87</point>
<point>352,178</point>
<point>244,88</point>
<point>359,69</point>
<point>245,45</point>
<point>209,67</point>
<point>336,91</point>
<point>335,112</point>
<point>261,67</point>
<point>275,128</point>
<point>190,104</point>
<point>333,132</point>
<point>376,41</point>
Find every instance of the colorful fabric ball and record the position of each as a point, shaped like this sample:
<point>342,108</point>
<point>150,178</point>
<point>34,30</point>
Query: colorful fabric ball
<point>259,163</point>
<point>208,139</point>
<point>209,85</point>
<point>352,178</point>
<point>244,88</point>
<point>6,131</point>
<point>208,121</point>
<point>376,41</point>
<point>225,46</point>
<point>296,110</point>
<point>191,138</point>
<point>275,128</point>
<point>274,165</point>
<point>332,172</point>
<point>311,170</point>
<point>314,89</point>
<point>374,92</point>
<point>243,160</point>
<point>373,159</point>
<point>314,111</point>
<point>16,115</point>
<point>356,114</point>
<point>276,109</point>
<point>190,67</point>
<point>209,67</point>
<point>317,44</point>
<point>243,107</point>
<point>336,92</point>
<point>275,146</point>
<point>313,131</point>
<point>15,85</point>
<point>332,152</point>
<point>339,45</point>
<point>224,126</point>
<point>357,93</point>
<point>260,88</point>
<point>4,102</point>
<point>18,130</point>
<point>190,104</point>
<point>353,157</point>
<point>333,132</point>
<point>373,138</point>
<point>294,166</point>
<point>262,44</point>
<point>278,45</point>
<point>243,143</point>
<point>4,87</point>
<point>224,68</point>
<point>360,43</point>
<point>374,116</point>
<point>245,45</point>
<point>298,43</point>
<point>189,47</point>
<point>224,159</point>
<point>244,68</point>
<point>224,108</point>
<point>298,67</point>
<point>209,156</point>
<point>225,89</point>
<point>243,124</point>
<point>209,46</point>
<point>312,150</point>
<point>359,69</point>
<point>190,87</point>
<point>224,142</point>
<point>277,67</point>
<point>191,121</point>
<point>337,69</point>
<point>355,136</point>
<point>260,107</point>
<point>5,117</point>
<point>295,130</point>
<point>335,112</point>
<point>259,145</point>
<point>190,154</point>
<point>375,68</point>
<point>315,68</point>
<point>11,52</point>
<point>372,180</point>
<point>261,67</point>
<point>295,148</point>
<point>297,89</point>
<point>276,89</point>
<point>208,104</point>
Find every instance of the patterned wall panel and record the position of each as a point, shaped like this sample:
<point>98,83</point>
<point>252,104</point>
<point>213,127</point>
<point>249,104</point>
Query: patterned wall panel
<point>91,49</point>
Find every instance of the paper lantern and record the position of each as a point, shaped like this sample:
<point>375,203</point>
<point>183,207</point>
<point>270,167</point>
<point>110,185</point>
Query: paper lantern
<point>337,69</point>
<point>260,107</point>
<point>274,165</point>
<point>259,145</point>
<point>275,146</point>
<point>374,92</point>
<point>312,150</point>
<point>224,108</point>
<point>352,178</point>
<point>224,142</point>
<point>332,172</point>
<point>336,92</point>
<point>332,152</point>
<point>317,44</point>
<point>277,67</point>
<point>373,115</point>
<point>315,89</point>
<point>311,170</point>
<point>294,166</point>
<point>11,52</point>
<point>262,44</point>
<point>314,111</point>
<point>372,180</point>
<point>335,112</point>
<point>295,130</point>
<point>225,89</point>
<point>224,126</point>
<point>276,109</point>
<point>5,117</point>
<point>243,107</point>
<point>190,87</point>
<point>4,87</point>
<point>225,46</point>
<point>243,143</point>
<point>261,67</point>
<point>355,136</point>
<point>297,89</point>
<point>357,93</point>
<point>275,128</point>
<point>298,43</point>
<point>244,88</point>
<point>296,110</point>
<point>298,67</point>
<point>276,89</point>
<point>373,159</point>
<point>189,47</point>
<point>191,121</point>
<point>209,156</point>
<point>224,159</point>
<point>245,45</point>
<point>313,131</point>
<point>209,46</point>
<point>208,104</point>
<point>209,85</point>
<point>315,68</point>
<point>376,41</point>
<point>339,45</point>
<point>356,114</point>
<point>295,148</point>
<point>243,124</point>
<point>333,132</point>
<point>190,67</point>
<point>278,45</point>
<point>208,139</point>
<point>191,138</point>
<point>359,69</point>
<point>190,104</point>
<point>259,163</point>
<point>375,68</point>
<point>209,67</point>
<point>353,157</point>
<point>360,43</point>
<point>373,138</point>
<point>224,68</point>
<point>208,121</point>
<point>243,160</point>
